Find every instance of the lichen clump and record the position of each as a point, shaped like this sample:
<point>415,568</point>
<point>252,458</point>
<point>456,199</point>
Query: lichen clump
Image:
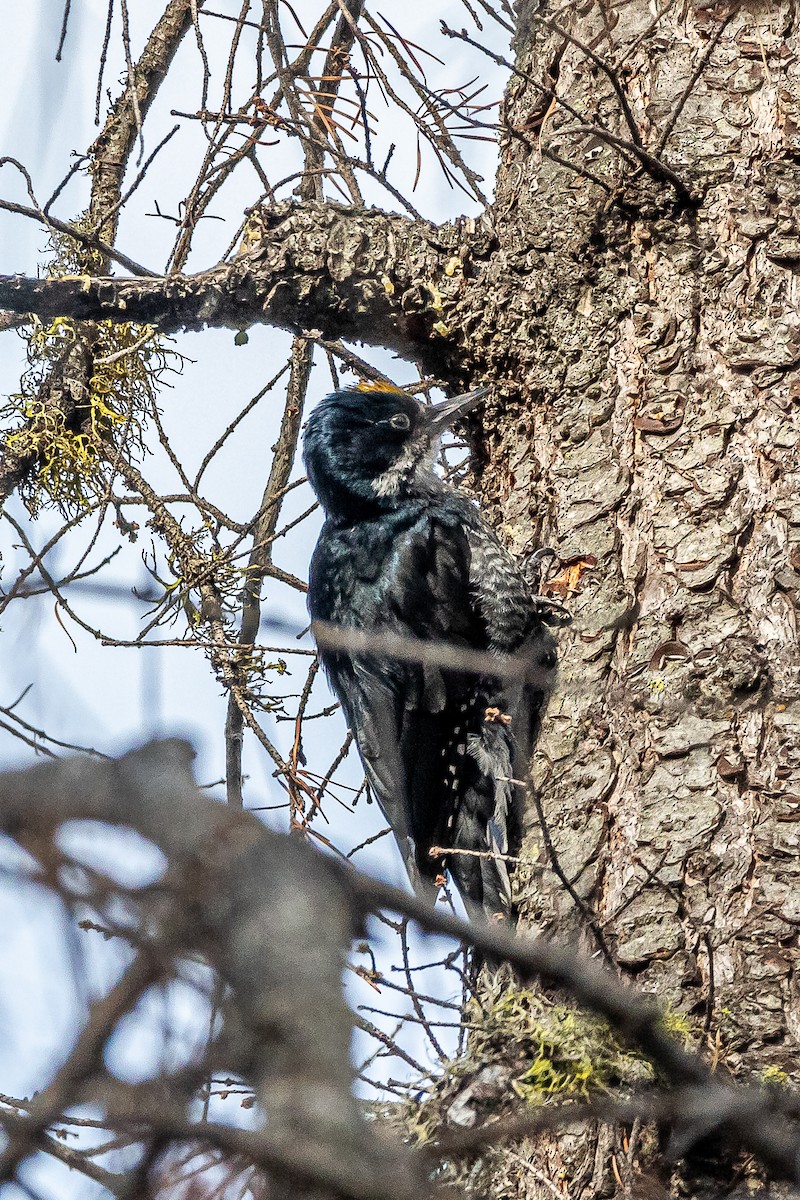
<point>87,388</point>
<point>529,1047</point>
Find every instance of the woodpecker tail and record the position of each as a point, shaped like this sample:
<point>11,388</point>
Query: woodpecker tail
<point>487,824</point>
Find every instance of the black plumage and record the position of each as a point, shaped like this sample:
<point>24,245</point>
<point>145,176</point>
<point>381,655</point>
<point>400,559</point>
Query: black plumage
<point>402,552</point>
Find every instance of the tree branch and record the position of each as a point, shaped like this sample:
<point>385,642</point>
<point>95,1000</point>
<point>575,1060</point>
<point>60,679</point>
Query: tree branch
<point>110,153</point>
<point>112,149</point>
<point>274,918</point>
<point>354,274</point>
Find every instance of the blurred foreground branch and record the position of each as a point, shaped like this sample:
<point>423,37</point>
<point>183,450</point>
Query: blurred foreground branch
<point>275,919</point>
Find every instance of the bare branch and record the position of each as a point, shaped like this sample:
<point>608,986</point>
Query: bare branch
<point>261,555</point>
<point>84,239</point>
<point>651,162</point>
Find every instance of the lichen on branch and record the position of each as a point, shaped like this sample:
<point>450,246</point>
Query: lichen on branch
<point>111,382</point>
<point>322,269</point>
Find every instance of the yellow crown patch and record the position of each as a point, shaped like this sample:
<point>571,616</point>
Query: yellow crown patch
<point>377,385</point>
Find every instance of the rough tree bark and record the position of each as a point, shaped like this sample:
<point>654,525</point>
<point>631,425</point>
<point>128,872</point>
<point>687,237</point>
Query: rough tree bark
<point>657,431</point>
<point>641,338</point>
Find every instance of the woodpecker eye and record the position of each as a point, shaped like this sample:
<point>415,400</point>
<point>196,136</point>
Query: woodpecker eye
<point>400,421</point>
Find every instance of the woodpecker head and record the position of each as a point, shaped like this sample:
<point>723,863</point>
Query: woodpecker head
<point>371,448</point>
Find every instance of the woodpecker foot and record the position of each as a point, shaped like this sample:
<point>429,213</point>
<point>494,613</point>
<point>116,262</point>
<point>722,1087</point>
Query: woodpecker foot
<point>551,612</point>
<point>535,565</point>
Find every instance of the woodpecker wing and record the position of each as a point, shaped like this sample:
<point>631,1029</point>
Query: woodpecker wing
<point>516,628</point>
<point>371,710</point>
<point>431,600</point>
<point>412,580</point>
<point>489,815</point>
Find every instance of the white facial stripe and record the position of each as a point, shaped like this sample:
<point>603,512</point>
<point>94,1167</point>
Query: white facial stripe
<point>413,455</point>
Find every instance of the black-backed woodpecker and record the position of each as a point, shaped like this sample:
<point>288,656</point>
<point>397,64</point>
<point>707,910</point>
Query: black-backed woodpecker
<point>401,552</point>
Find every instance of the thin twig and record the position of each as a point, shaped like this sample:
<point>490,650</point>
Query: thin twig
<point>654,166</point>
<point>583,908</point>
<point>345,639</point>
<point>604,66</point>
<point>103,60</point>
<point>690,86</point>
<point>64,24</point>
<point>85,239</point>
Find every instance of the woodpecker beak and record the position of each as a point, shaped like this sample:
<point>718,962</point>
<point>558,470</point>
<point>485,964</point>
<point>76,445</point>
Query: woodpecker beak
<point>440,416</point>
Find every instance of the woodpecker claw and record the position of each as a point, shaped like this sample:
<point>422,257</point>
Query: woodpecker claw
<point>552,612</point>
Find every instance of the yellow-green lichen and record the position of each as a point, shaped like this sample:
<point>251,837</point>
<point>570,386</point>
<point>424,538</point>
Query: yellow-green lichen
<point>437,303</point>
<point>774,1077</point>
<point>678,1026</point>
<point>559,1049</point>
<point>545,1050</point>
<point>85,388</point>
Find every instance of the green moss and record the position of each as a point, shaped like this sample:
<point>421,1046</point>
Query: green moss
<point>547,1050</point>
<point>560,1051</point>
